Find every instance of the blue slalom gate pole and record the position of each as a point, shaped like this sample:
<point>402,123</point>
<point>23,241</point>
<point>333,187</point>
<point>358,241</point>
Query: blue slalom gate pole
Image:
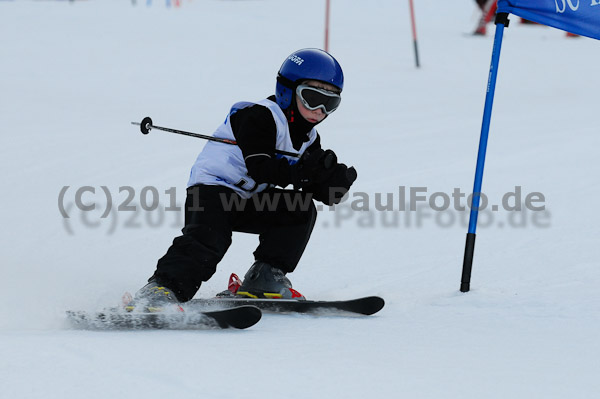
<point>465,282</point>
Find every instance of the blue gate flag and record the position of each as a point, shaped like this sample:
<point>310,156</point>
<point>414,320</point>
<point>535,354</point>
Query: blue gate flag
<point>576,16</point>
<point>581,17</point>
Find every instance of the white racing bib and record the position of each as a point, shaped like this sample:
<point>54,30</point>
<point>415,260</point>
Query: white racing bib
<point>223,164</point>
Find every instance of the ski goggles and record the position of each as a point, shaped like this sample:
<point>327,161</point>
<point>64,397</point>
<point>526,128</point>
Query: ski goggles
<point>314,98</point>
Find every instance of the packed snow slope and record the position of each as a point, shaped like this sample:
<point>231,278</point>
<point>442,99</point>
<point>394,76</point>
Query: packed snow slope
<point>73,75</point>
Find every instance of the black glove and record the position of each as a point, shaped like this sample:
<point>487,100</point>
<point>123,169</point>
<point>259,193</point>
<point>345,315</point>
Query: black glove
<point>338,183</point>
<point>314,167</point>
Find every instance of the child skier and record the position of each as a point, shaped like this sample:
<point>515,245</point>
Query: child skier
<point>232,187</point>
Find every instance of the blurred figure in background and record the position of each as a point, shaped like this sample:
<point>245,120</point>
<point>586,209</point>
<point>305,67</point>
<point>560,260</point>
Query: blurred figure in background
<point>488,11</point>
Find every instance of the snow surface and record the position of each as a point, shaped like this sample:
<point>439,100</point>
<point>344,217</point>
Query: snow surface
<point>74,75</point>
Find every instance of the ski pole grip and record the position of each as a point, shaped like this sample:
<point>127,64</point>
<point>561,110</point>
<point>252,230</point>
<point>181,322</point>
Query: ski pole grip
<point>329,159</point>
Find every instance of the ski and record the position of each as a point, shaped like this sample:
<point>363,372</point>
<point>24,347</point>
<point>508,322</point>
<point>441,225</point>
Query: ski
<point>239,317</point>
<point>359,306</point>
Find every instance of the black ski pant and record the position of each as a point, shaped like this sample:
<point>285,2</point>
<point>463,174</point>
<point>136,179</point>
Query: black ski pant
<point>283,219</point>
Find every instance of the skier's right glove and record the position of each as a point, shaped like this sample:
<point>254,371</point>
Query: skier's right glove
<point>313,168</point>
<point>332,190</point>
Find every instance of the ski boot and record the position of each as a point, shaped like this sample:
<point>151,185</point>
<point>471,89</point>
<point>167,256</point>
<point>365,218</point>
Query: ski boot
<point>152,298</point>
<point>265,281</point>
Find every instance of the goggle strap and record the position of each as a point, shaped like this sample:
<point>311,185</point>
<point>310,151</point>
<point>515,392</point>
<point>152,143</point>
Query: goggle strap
<point>286,82</point>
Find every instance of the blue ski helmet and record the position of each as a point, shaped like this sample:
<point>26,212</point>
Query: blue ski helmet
<point>306,64</point>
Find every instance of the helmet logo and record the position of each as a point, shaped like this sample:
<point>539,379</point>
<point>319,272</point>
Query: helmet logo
<point>295,59</point>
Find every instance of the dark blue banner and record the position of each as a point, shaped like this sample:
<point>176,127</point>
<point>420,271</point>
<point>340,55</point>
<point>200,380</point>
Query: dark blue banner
<point>576,16</point>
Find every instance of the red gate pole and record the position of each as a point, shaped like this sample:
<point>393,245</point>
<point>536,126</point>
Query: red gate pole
<point>414,31</point>
<point>327,4</point>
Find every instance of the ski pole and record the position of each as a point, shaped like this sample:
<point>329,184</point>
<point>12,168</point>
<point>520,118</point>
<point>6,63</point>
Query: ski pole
<point>146,125</point>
